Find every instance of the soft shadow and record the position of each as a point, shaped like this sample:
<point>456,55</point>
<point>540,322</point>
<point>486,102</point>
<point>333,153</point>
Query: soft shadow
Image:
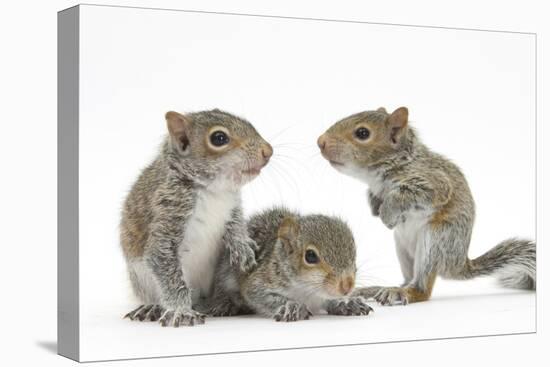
<point>50,346</point>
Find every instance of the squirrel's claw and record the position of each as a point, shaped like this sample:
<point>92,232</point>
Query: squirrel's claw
<point>354,306</point>
<point>132,314</point>
<point>145,313</point>
<point>292,311</point>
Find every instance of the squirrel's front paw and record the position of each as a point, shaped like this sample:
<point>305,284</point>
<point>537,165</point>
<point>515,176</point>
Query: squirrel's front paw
<point>354,306</point>
<point>392,296</point>
<point>374,203</point>
<point>176,318</point>
<point>243,255</point>
<point>389,216</point>
<point>292,311</point>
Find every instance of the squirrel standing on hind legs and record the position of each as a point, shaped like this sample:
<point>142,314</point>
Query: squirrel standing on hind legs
<point>426,200</point>
<point>185,209</point>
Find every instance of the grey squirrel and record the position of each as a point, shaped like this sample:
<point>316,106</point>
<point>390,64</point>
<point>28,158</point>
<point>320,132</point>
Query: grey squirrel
<point>305,264</point>
<point>426,200</point>
<point>185,209</point>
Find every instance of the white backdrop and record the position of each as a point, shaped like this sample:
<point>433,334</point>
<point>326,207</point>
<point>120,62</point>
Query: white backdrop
<point>470,94</point>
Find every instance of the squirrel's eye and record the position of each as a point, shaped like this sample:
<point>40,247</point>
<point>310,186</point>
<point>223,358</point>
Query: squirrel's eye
<point>362,133</point>
<point>311,257</point>
<point>219,138</point>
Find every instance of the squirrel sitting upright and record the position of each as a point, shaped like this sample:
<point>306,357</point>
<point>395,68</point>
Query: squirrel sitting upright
<point>185,208</point>
<point>426,199</point>
<point>305,264</point>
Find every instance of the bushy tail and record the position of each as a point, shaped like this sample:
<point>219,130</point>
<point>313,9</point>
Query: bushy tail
<point>512,261</point>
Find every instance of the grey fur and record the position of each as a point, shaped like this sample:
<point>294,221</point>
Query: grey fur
<point>158,210</point>
<point>283,286</point>
<point>425,198</point>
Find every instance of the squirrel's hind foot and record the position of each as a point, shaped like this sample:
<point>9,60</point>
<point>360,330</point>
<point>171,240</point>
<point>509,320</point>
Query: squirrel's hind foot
<point>389,296</point>
<point>181,318</point>
<point>226,308</point>
<point>145,313</point>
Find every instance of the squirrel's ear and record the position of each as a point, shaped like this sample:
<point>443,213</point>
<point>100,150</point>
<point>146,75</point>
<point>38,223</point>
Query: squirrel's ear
<point>178,125</point>
<point>288,231</point>
<point>398,122</point>
<point>381,109</point>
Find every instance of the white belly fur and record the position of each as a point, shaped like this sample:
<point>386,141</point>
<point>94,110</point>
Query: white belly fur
<point>407,234</point>
<point>201,247</point>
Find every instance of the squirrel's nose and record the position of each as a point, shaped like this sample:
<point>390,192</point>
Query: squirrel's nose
<point>322,142</point>
<point>267,151</point>
<point>346,285</point>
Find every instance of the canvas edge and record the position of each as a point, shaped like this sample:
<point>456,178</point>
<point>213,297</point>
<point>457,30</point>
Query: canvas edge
<point>68,331</point>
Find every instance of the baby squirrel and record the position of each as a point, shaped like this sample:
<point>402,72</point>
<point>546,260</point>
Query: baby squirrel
<point>184,208</point>
<point>426,199</point>
<point>305,264</point>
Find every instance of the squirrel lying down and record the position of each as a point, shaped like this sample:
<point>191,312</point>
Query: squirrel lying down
<point>306,264</point>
